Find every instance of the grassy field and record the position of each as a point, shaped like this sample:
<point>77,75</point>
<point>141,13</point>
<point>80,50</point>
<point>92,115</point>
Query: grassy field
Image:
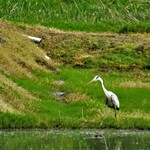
<point>74,15</point>
<point>83,103</point>
<point>29,83</point>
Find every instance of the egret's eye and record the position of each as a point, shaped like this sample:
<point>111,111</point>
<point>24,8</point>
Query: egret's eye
<point>96,77</point>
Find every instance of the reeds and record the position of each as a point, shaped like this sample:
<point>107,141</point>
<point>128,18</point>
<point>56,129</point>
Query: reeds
<point>106,13</point>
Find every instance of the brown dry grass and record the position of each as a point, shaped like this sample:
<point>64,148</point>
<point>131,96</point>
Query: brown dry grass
<point>13,98</point>
<point>18,57</point>
<point>76,47</point>
<point>6,107</point>
<point>73,97</point>
<point>132,84</point>
<point>80,48</point>
<point>7,82</point>
<point>57,83</point>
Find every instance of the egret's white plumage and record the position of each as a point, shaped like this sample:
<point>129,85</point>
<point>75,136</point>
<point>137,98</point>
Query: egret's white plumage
<point>111,99</point>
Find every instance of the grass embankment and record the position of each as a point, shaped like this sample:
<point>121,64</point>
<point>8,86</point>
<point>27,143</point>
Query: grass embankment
<point>91,16</point>
<point>28,81</point>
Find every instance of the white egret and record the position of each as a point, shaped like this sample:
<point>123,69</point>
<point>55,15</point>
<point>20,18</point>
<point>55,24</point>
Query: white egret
<point>111,99</point>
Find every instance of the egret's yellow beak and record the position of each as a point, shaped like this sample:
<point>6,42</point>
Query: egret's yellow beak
<point>91,81</point>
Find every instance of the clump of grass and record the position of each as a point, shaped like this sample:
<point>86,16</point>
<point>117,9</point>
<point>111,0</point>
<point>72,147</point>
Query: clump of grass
<point>12,121</point>
<point>134,84</point>
<point>72,97</point>
<point>132,28</point>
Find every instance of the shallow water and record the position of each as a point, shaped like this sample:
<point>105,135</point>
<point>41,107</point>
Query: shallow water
<point>74,139</point>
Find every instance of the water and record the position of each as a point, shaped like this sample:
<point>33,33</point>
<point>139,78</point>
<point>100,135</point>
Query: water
<point>74,140</point>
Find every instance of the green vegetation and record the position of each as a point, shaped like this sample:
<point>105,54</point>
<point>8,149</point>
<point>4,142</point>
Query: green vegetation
<point>29,82</point>
<point>82,105</point>
<point>90,15</point>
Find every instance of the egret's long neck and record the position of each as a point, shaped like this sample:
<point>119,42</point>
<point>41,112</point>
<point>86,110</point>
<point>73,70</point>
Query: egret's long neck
<point>105,91</point>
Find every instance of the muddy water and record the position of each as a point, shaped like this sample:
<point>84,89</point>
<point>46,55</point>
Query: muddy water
<point>74,140</point>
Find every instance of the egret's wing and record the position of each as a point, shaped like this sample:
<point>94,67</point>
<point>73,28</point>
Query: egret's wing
<point>115,100</point>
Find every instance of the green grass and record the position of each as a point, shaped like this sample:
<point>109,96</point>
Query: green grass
<point>12,121</point>
<point>28,81</point>
<point>90,16</point>
<point>89,113</point>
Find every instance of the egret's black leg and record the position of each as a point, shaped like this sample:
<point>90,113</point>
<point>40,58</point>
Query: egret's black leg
<point>115,114</point>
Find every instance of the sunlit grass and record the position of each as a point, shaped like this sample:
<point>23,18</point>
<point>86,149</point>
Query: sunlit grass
<point>85,108</point>
<point>28,81</point>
